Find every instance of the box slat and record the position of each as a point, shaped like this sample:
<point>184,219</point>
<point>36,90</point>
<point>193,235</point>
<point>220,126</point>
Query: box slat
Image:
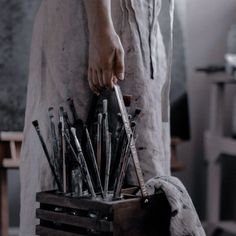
<point>53,198</point>
<point>126,217</point>
<point>75,203</point>
<point>78,221</point>
<point>45,231</point>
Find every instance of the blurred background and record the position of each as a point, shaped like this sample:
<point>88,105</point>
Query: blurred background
<point>205,36</point>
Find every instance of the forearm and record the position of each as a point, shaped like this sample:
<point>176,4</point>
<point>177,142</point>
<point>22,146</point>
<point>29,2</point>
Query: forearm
<point>106,54</point>
<point>99,16</point>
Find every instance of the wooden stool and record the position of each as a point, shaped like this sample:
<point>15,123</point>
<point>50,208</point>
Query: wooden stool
<point>10,145</point>
<point>217,142</point>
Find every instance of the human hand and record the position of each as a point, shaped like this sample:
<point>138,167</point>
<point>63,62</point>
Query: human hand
<point>106,60</point>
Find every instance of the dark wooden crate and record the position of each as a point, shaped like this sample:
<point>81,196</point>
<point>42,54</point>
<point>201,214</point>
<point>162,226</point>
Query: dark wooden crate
<point>63,215</point>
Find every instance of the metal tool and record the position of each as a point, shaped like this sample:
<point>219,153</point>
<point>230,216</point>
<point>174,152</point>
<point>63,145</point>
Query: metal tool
<point>83,163</point>
<point>93,160</point>
<point>36,126</point>
<point>66,119</point>
<point>72,108</point>
<point>117,147</point>
<point>77,181</point>
<point>133,149</point>
<point>82,172</point>
<point>108,166</point>
<point>106,145</point>
<point>63,150</point>
<point>99,142</point>
<point>122,169</point>
<point>53,133</point>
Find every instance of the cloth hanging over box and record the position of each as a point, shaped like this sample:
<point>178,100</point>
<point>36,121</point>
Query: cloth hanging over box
<point>184,219</point>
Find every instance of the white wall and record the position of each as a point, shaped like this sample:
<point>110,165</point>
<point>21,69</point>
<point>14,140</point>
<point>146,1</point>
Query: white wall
<point>206,24</point>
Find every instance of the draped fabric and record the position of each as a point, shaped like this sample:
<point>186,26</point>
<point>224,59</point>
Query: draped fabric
<point>58,70</point>
<point>184,219</point>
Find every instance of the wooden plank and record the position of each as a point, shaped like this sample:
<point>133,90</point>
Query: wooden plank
<point>78,221</point>
<point>129,217</point>
<point>76,203</point>
<point>130,190</point>
<point>9,163</point>
<point>13,149</point>
<point>84,203</point>
<point>4,211</point>
<point>150,219</point>
<point>45,231</point>
<point>11,136</point>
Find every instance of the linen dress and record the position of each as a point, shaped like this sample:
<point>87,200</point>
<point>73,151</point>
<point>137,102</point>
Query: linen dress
<point>58,70</point>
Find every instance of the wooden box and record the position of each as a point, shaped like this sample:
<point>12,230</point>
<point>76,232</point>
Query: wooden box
<point>64,215</point>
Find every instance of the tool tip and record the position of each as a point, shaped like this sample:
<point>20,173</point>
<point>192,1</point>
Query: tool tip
<point>35,123</point>
<point>73,130</point>
<point>50,111</point>
<point>138,111</point>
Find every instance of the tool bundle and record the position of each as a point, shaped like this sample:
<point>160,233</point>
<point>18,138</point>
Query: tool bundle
<point>91,159</point>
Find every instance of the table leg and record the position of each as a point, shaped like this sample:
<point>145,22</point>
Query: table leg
<point>4,211</point>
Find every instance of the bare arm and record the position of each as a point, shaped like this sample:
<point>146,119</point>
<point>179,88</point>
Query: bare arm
<point>106,54</point>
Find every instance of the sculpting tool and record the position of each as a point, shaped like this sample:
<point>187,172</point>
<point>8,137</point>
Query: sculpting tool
<point>133,149</point>
<point>36,126</point>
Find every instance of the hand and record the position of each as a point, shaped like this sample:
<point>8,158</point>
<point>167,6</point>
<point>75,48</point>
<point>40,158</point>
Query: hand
<point>106,60</point>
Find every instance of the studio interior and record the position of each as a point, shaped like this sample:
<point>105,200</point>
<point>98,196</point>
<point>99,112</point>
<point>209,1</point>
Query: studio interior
<point>117,117</point>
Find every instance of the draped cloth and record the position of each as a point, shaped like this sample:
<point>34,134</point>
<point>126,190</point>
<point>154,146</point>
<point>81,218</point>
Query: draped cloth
<point>58,70</point>
<point>184,219</point>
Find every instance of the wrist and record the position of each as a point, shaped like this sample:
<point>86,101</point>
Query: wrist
<point>99,17</point>
<point>102,31</point>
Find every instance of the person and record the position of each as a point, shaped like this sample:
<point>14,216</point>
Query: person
<point>79,47</point>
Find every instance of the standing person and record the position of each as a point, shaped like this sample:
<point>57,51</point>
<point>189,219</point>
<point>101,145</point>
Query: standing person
<point>78,47</point>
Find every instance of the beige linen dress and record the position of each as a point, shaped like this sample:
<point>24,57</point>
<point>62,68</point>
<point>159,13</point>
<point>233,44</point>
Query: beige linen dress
<point>58,70</point>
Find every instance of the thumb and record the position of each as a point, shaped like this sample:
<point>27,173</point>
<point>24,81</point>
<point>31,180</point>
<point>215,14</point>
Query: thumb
<point>119,65</point>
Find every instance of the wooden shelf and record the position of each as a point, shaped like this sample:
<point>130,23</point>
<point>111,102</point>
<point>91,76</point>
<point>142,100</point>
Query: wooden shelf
<point>11,136</point>
<point>10,163</point>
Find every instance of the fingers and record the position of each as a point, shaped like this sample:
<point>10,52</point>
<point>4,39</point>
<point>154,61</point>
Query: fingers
<point>108,79</point>
<point>92,81</point>
<point>119,64</point>
<point>115,80</point>
<point>95,80</point>
<point>99,77</point>
<point>109,73</point>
